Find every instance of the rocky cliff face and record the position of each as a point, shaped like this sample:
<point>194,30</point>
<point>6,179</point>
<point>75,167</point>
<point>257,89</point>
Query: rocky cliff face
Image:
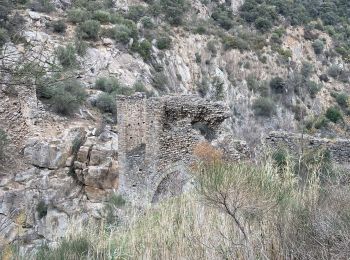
<point>58,167</point>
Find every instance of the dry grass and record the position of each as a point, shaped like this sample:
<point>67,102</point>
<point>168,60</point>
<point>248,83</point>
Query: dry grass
<point>239,211</point>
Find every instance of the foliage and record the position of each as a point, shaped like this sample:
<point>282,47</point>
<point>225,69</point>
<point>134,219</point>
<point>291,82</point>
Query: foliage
<point>342,100</point>
<point>81,47</point>
<point>45,6</point>
<point>278,85</point>
<point>107,84</point>
<point>41,208</point>
<point>159,81</point>
<point>264,106</point>
<point>144,48</point>
<point>106,103</point>
<point>102,16</point>
<point>3,143</point>
<point>313,88</point>
<point>334,70</point>
<point>67,56</point>
<point>174,10</point>
<point>122,32</point>
<point>65,97</point>
<point>318,46</point>
<point>89,30</point>
<point>59,26</point>
<point>223,16</point>
<point>334,114</point>
<point>164,42</point>
<point>77,15</point>
<point>135,12</point>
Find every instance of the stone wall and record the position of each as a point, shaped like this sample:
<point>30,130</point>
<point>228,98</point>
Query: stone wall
<point>339,148</point>
<point>156,140</point>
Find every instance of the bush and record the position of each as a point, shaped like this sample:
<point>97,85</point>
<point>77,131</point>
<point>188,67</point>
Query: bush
<point>159,81</point>
<point>334,114</point>
<point>121,33</point>
<point>231,42</point>
<point>223,16</point>
<point>164,42</point>
<point>77,15</point>
<point>89,30</point>
<point>3,37</point>
<point>342,100</point>
<point>65,97</point>
<point>41,208</point>
<point>203,87</point>
<point>67,56</point>
<point>334,71</point>
<point>278,85</point>
<point>102,16</point>
<point>81,47</point>
<point>211,45</point>
<point>147,22</point>
<point>313,88</point>
<point>108,85</point>
<point>135,12</point>
<point>318,46</point>
<point>174,10</point>
<point>263,24</point>
<point>44,6</point>
<point>3,143</point>
<point>264,107</point>
<point>59,26</point>
<point>139,87</point>
<point>144,48</point>
<point>106,103</point>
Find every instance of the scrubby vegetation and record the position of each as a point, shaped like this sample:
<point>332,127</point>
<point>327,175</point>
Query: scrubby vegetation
<point>64,97</point>
<point>3,143</point>
<point>292,206</point>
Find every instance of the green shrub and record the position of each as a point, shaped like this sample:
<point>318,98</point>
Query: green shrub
<point>41,208</point>
<point>144,48</point>
<point>102,16</point>
<point>318,46</point>
<point>44,6</point>
<point>135,12</point>
<point>280,157</point>
<point>65,97</point>
<point>231,42</point>
<point>203,87</point>
<point>77,15</point>
<point>313,88</point>
<point>81,47</point>
<point>306,70</point>
<point>263,106</point>
<point>3,37</point>
<point>117,201</point>
<point>164,42</point>
<point>89,30</point>
<point>67,56</point>
<point>223,16</point>
<point>263,24</point>
<point>122,33</point>
<point>252,82</point>
<point>108,85</point>
<point>334,71</point>
<point>159,81</point>
<point>321,122</point>
<point>139,87</point>
<point>174,10</point>
<point>278,85</point>
<point>342,100</point>
<point>59,26</point>
<point>147,22</point>
<point>106,103</point>
<point>211,45</point>
<point>3,143</point>
<point>334,114</point>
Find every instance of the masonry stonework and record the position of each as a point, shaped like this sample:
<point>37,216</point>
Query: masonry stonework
<point>339,148</point>
<point>156,140</point>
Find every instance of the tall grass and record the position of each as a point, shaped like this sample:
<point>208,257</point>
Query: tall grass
<point>236,211</point>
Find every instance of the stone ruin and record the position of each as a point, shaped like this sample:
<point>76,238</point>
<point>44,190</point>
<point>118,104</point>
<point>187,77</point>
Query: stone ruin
<point>338,148</point>
<point>156,141</point>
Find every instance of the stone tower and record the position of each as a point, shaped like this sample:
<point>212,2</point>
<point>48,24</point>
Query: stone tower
<point>156,140</point>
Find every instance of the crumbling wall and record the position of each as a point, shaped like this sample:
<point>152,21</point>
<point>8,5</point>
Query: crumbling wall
<point>339,148</point>
<point>156,140</point>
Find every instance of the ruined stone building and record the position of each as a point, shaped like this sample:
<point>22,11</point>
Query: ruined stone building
<point>156,140</point>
